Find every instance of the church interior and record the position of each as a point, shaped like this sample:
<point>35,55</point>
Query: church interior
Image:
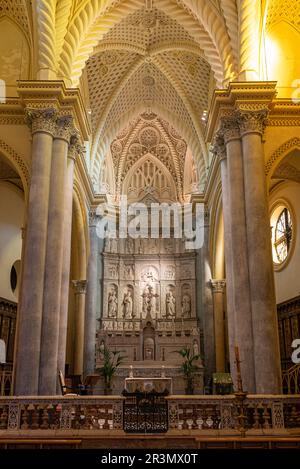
<point>111,341</point>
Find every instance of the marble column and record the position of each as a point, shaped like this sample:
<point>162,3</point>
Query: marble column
<point>239,251</point>
<point>28,345</point>
<point>54,258</point>
<point>74,150</point>
<point>218,288</point>
<point>80,291</point>
<point>263,302</point>
<point>220,150</point>
<point>91,297</point>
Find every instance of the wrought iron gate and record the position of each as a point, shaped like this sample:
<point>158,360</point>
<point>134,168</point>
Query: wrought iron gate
<point>145,413</point>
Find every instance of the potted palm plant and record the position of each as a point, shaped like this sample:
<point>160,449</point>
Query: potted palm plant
<point>189,367</point>
<point>112,359</point>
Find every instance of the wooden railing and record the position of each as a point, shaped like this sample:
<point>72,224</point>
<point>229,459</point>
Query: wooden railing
<point>291,380</point>
<point>262,414</point>
<point>6,388</point>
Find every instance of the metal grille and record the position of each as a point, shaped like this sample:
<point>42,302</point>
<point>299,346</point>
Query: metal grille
<point>145,413</point>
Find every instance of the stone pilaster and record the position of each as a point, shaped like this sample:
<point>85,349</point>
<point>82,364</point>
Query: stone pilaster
<point>218,289</point>
<point>43,124</point>
<point>53,268</point>
<point>264,317</point>
<point>74,150</point>
<point>80,292</point>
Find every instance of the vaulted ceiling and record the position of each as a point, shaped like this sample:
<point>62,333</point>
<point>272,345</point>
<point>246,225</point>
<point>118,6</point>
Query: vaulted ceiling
<point>135,56</point>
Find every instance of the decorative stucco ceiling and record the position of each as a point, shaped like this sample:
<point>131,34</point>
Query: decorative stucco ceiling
<point>148,61</point>
<point>147,135</point>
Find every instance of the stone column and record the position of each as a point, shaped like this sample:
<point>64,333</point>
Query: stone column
<point>263,302</point>
<point>74,151</point>
<point>54,258</point>
<point>218,287</point>
<point>30,315</point>
<point>80,291</point>
<point>239,251</point>
<point>220,150</point>
<point>91,298</point>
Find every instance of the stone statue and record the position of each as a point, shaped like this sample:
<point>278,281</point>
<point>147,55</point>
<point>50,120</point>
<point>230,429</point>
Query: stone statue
<point>170,305</point>
<point>112,304</point>
<point>195,348</point>
<point>102,347</point>
<point>149,299</point>
<point>127,305</point>
<point>186,306</point>
<point>129,245</point>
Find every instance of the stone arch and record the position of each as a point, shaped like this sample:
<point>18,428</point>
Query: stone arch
<point>18,163</point>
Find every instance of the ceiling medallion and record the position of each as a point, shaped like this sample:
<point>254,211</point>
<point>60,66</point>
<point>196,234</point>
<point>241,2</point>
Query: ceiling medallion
<point>148,80</point>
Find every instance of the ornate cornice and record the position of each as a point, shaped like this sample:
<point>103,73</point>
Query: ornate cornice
<point>218,286</point>
<point>252,121</point>
<point>41,120</point>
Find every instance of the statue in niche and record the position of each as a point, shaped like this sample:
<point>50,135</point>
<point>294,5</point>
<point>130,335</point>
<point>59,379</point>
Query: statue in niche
<point>128,271</point>
<point>186,306</point>
<point>127,305</point>
<point>113,245</point>
<point>149,299</point>
<point>195,348</point>
<point>102,347</point>
<point>170,305</point>
<point>140,245</point>
<point>129,246</point>
<point>112,304</point>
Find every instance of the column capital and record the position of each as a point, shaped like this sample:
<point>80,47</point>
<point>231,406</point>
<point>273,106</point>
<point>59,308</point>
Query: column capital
<point>79,286</point>
<point>75,147</point>
<point>218,286</point>
<point>64,128</point>
<point>41,120</point>
<point>230,128</point>
<point>218,146</point>
<point>252,121</point>
<point>93,217</point>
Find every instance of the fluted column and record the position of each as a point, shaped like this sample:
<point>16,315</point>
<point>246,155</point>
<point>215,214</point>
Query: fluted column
<point>240,270</point>
<point>218,288</point>
<point>74,150</point>
<point>264,315</point>
<point>91,297</point>
<point>30,315</point>
<point>220,150</point>
<point>80,291</point>
<point>54,259</point>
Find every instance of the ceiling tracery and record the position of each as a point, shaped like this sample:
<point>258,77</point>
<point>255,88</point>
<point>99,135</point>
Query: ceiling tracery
<point>147,135</point>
